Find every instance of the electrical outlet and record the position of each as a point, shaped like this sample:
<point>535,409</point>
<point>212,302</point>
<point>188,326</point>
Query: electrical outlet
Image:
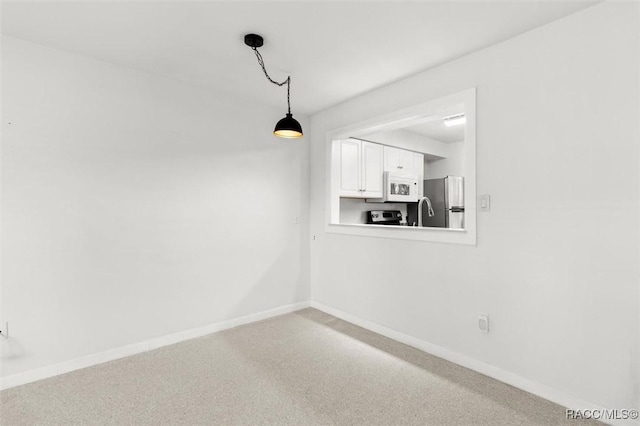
<point>483,323</point>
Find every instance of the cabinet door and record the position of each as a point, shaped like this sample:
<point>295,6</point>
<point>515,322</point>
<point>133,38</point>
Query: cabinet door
<point>350,168</point>
<point>418,166</point>
<point>406,163</point>
<point>391,159</point>
<point>371,170</point>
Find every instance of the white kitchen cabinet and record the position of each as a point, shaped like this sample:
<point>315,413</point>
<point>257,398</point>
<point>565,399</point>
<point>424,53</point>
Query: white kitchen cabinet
<point>392,159</point>
<point>400,161</point>
<point>406,162</point>
<point>350,168</point>
<point>360,169</point>
<point>371,177</point>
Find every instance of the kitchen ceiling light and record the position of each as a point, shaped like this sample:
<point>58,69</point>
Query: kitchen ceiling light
<point>455,120</point>
<point>288,127</point>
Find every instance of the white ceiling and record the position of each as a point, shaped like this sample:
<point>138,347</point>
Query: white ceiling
<point>435,129</point>
<point>334,50</point>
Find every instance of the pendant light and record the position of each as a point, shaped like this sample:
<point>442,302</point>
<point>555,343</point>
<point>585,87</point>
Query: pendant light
<point>288,127</point>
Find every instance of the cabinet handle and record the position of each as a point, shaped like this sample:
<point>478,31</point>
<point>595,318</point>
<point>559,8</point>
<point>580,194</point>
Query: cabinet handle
<point>400,167</point>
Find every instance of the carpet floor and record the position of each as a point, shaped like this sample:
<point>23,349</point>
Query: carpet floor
<point>304,368</point>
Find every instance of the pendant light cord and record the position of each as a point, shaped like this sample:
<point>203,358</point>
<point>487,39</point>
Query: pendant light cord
<point>287,81</point>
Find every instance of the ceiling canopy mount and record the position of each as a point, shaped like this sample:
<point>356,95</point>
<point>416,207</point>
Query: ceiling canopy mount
<point>253,40</point>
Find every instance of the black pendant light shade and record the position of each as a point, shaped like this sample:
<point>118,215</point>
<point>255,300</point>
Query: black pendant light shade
<point>288,127</point>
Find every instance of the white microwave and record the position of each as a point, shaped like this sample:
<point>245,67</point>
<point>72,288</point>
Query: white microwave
<point>398,188</point>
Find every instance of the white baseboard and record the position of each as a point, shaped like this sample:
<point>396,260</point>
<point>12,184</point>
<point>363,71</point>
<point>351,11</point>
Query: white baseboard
<point>543,391</point>
<point>147,345</point>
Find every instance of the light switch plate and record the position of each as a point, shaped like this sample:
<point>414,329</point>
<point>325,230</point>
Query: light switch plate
<point>483,323</point>
<point>485,203</point>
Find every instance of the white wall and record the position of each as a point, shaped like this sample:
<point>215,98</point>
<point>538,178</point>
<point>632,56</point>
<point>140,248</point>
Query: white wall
<point>452,165</point>
<point>135,206</point>
<point>556,263</point>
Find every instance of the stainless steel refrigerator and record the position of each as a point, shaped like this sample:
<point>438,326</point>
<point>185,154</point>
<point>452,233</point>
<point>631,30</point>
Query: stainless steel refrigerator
<point>447,198</point>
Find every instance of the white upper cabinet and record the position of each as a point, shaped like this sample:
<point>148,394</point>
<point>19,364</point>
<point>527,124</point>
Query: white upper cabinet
<point>350,168</point>
<point>392,159</point>
<point>371,170</point>
<point>402,161</point>
<point>406,162</point>
<point>360,169</point>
